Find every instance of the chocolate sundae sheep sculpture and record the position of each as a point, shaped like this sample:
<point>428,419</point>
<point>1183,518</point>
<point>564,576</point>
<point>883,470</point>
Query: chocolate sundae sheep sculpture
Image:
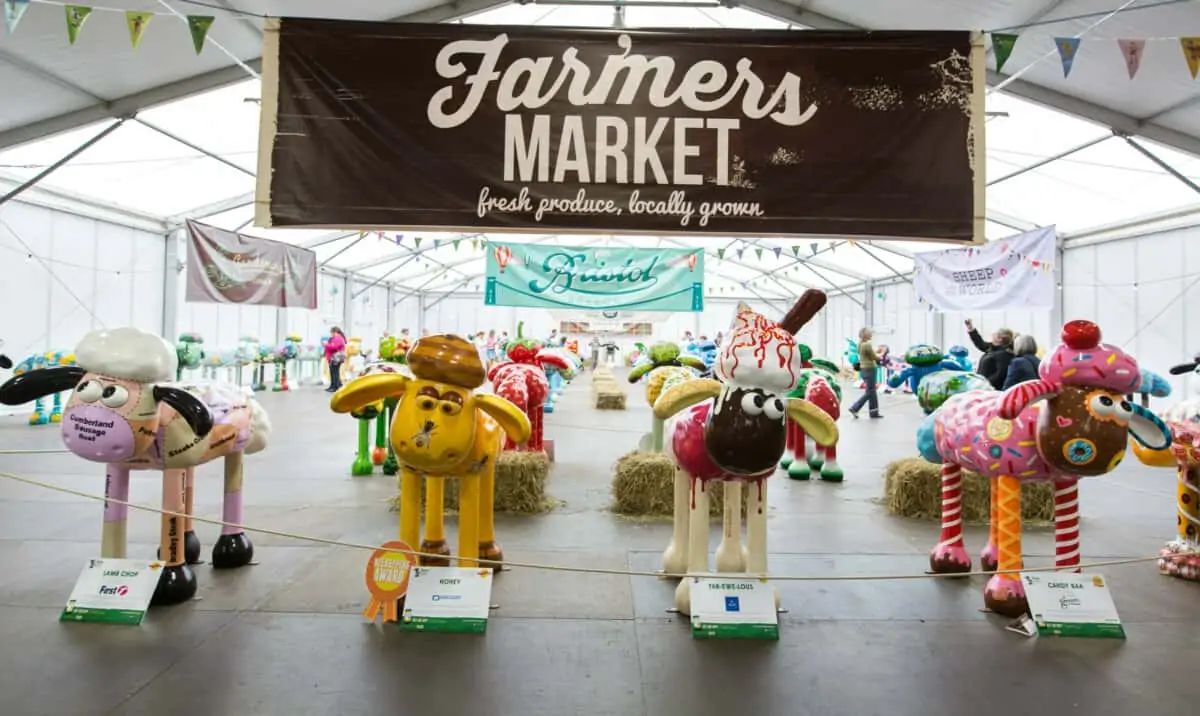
<point>126,413</point>
<point>1074,422</point>
<point>734,431</point>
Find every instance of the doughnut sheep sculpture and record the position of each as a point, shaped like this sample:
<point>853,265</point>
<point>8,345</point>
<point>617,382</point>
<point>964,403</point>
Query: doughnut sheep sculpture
<point>443,428</point>
<point>734,431</point>
<point>126,413</point>
<point>1181,556</point>
<point>1073,422</point>
<point>523,382</point>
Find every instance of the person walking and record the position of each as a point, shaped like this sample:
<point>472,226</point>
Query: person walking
<point>335,355</point>
<point>1024,365</point>
<point>868,370</point>
<point>997,354</point>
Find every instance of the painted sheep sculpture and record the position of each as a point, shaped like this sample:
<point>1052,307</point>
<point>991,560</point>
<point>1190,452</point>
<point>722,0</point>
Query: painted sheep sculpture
<point>1074,422</point>
<point>126,413</point>
<point>922,360</point>
<point>733,431</point>
<point>443,428</point>
<point>523,382</point>
<point>818,386</point>
<point>1181,556</point>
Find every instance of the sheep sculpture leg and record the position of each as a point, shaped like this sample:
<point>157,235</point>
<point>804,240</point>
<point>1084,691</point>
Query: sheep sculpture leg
<point>191,543</point>
<point>116,516</point>
<point>950,554</point>
<point>697,551</point>
<point>989,556</point>
<point>1066,524</point>
<point>1005,594</point>
<point>800,469</point>
<point>178,582</point>
<point>410,507</point>
<point>435,524</point>
<point>488,547</point>
<point>675,556</point>
<point>233,548</point>
<point>731,555</point>
<point>469,487</point>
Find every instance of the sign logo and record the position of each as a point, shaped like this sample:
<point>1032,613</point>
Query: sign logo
<point>605,280</point>
<point>118,591</point>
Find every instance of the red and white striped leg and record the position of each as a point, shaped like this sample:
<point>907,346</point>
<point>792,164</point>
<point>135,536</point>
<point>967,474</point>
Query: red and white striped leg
<point>950,554</point>
<point>1066,524</point>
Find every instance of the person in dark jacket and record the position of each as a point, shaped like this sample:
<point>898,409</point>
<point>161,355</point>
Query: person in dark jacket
<point>996,355</point>
<point>1024,365</point>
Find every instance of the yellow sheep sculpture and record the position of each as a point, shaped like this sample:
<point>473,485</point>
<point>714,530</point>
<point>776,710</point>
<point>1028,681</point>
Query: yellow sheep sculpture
<point>443,428</point>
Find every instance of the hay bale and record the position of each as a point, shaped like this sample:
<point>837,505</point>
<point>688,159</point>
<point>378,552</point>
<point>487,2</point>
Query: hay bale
<point>520,485</point>
<point>912,487</point>
<point>643,485</point>
<point>610,401</point>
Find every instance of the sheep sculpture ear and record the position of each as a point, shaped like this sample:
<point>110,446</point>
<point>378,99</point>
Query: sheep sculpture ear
<point>367,389</point>
<point>684,395</point>
<point>199,418</point>
<point>1149,429</point>
<point>21,389</point>
<point>1023,395</point>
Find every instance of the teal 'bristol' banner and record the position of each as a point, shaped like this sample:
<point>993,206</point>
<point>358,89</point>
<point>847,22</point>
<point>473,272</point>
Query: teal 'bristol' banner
<point>594,278</point>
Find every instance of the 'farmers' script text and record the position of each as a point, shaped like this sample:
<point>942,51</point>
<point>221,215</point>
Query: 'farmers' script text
<point>620,153</point>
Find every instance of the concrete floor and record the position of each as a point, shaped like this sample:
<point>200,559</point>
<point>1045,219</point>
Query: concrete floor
<point>286,637</point>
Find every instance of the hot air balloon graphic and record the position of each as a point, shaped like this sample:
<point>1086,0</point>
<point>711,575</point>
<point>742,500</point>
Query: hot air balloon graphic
<point>692,258</point>
<point>503,256</point>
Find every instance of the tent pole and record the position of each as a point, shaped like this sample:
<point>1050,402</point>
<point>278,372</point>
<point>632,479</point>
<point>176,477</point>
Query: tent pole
<point>58,164</point>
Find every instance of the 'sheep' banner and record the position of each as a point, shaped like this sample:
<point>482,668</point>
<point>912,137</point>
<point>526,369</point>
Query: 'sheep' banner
<point>646,132</point>
<point>1012,273</point>
<point>227,267</point>
<point>594,278</point>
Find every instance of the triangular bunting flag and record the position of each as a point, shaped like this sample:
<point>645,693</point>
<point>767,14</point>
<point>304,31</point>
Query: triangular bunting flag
<point>1068,47</point>
<point>758,252</point>
<point>1191,53</point>
<point>1002,47</point>
<point>720,253</point>
<point>455,243</point>
<point>199,26</point>
<point>14,10</point>
<point>437,243</point>
<point>1132,50</point>
<point>778,250</point>
<point>137,22</point>
<point>417,241</point>
<point>795,249</point>
<point>474,244</point>
<point>851,242</point>
<point>399,239</point>
<point>76,16</point>
<point>361,233</point>
<point>813,248</point>
<point>740,251</point>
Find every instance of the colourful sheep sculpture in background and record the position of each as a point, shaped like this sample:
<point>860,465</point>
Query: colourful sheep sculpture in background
<point>45,361</point>
<point>733,431</point>
<point>1181,556</point>
<point>125,413</point>
<point>1074,422</point>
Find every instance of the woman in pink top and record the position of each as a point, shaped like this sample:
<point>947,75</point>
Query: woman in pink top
<point>335,353</point>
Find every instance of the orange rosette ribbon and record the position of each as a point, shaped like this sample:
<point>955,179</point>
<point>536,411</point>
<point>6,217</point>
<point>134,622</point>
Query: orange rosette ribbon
<point>388,572</point>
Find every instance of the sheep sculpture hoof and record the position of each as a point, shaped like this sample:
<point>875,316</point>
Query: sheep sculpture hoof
<point>176,585</point>
<point>438,547</point>
<point>232,551</point>
<point>191,547</point>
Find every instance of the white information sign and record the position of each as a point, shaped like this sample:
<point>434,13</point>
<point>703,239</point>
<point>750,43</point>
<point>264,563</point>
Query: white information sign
<point>113,591</point>
<point>450,599</point>
<point>733,609</point>
<point>1072,605</point>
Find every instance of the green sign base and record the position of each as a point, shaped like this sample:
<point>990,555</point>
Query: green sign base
<point>448,625</point>
<point>735,631</point>
<point>131,617</point>
<point>1094,631</point>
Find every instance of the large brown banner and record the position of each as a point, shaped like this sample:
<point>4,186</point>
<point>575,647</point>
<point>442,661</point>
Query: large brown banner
<point>647,132</point>
<point>228,267</point>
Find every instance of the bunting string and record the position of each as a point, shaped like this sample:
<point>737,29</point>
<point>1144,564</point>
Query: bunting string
<point>1004,41</point>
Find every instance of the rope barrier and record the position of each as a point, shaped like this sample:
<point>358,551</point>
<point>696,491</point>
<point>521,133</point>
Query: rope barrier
<point>576,570</point>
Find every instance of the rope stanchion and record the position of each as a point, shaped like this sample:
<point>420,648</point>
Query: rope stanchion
<point>579,570</point>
